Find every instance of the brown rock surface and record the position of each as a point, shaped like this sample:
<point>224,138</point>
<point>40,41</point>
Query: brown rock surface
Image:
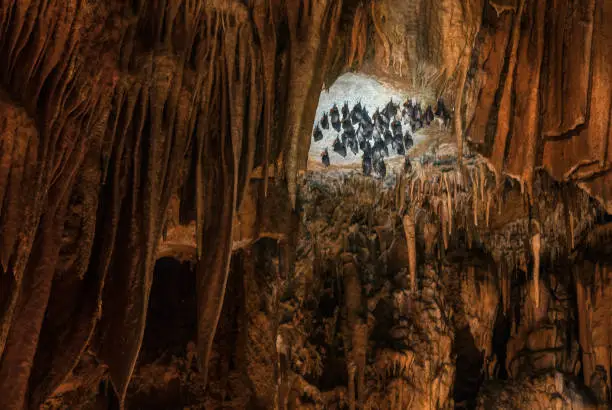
<point>570,88</point>
<point>133,132</point>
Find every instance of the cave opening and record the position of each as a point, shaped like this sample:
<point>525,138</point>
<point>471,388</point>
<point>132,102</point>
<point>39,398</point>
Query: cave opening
<point>374,128</point>
<point>469,364</point>
<point>172,314</point>
<point>169,339</point>
<point>501,334</point>
<point>7,282</point>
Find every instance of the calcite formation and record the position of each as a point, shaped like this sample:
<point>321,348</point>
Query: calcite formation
<point>552,56</point>
<point>136,131</point>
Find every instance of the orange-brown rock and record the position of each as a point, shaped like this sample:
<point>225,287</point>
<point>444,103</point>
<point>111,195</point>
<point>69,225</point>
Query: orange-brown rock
<point>132,132</point>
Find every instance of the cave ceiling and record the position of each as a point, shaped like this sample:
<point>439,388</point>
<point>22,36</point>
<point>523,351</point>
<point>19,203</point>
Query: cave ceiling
<point>135,130</point>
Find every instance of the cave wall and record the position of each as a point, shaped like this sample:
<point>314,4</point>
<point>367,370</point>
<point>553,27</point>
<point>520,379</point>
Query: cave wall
<point>530,80</point>
<point>416,45</point>
<point>476,324</point>
<point>105,105</point>
<point>540,81</point>
<point>109,109</point>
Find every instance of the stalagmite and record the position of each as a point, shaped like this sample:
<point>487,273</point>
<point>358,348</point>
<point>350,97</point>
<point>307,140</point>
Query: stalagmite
<point>410,232</point>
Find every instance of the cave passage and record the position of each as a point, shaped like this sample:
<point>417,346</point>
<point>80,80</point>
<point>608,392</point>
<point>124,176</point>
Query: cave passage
<point>360,98</point>
<point>171,318</point>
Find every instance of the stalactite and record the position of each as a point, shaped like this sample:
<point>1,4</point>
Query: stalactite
<point>255,104</point>
<point>21,343</point>
<point>214,268</point>
<point>20,136</point>
<point>236,91</point>
<point>22,339</point>
<point>60,151</point>
<point>265,23</point>
<point>121,357</point>
<point>24,27</point>
<point>219,89</point>
<point>203,202</point>
<point>303,60</point>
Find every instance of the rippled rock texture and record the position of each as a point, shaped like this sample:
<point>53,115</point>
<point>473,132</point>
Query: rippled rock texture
<point>137,130</point>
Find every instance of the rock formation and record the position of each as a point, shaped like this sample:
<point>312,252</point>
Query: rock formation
<point>133,132</point>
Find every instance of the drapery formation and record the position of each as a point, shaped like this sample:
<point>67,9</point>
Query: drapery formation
<point>542,84</point>
<point>103,107</point>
